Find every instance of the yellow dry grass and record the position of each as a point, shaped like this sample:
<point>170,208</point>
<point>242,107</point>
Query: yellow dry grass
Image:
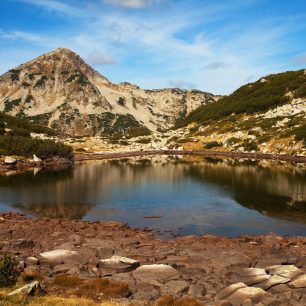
<point>46,300</point>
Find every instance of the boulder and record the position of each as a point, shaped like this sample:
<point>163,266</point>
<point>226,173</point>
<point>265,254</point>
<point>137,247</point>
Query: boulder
<point>242,294</point>
<point>146,273</point>
<point>118,264</point>
<point>9,160</point>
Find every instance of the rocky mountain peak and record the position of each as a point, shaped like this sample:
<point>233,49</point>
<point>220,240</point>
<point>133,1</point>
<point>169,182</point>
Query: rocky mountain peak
<point>61,90</point>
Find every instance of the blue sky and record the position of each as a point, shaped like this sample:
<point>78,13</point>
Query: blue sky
<point>214,46</point>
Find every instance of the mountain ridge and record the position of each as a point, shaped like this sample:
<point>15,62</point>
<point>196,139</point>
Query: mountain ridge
<point>61,90</point>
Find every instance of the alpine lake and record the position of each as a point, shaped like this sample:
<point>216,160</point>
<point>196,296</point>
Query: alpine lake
<point>173,196</point>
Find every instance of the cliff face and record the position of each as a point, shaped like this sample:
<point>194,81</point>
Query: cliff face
<point>60,90</point>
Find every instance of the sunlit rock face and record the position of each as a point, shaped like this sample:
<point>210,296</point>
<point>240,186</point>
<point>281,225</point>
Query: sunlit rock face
<point>60,90</point>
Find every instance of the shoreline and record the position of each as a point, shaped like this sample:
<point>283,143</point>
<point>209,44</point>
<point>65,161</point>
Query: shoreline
<point>206,153</point>
<point>199,267</point>
<point>22,165</point>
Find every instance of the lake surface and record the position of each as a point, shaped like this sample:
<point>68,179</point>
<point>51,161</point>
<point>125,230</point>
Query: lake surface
<point>189,196</point>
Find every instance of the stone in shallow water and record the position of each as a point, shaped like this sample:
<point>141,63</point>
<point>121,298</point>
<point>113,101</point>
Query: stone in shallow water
<point>299,282</point>
<point>157,272</point>
<point>242,294</point>
<point>226,292</point>
<point>288,271</point>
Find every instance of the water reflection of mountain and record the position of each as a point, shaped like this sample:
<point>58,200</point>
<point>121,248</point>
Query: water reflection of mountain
<point>276,190</point>
<point>103,189</point>
<point>68,211</point>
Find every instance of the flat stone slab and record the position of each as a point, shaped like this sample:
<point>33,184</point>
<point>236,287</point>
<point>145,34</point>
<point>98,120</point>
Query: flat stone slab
<point>175,287</point>
<point>118,264</point>
<point>154,272</point>
<point>299,282</point>
<point>242,294</point>
<point>273,281</point>
<point>288,271</point>
<point>253,280</point>
<point>247,272</point>
<point>56,255</point>
<point>228,291</point>
<point>27,289</point>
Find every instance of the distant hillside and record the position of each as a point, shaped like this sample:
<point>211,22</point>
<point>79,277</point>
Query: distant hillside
<point>15,139</point>
<point>266,93</point>
<point>268,115</point>
<point>58,89</point>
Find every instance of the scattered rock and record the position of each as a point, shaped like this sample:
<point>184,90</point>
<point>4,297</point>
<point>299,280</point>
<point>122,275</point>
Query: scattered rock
<point>175,287</point>
<point>10,160</point>
<point>288,271</point>
<point>299,282</point>
<point>31,261</point>
<point>147,273</point>
<point>58,255</point>
<point>27,289</point>
<point>118,264</point>
<point>36,159</point>
<point>226,292</point>
<point>273,281</point>
<point>242,294</point>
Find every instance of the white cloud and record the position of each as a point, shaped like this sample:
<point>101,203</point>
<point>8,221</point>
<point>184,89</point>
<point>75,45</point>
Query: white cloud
<point>152,48</point>
<point>98,58</point>
<point>133,4</point>
<point>56,6</point>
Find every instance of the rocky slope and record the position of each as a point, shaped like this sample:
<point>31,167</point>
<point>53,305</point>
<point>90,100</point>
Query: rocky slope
<point>60,90</point>
<point>268,116</point>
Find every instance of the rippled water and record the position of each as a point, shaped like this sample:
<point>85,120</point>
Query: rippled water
<point>189,196</point>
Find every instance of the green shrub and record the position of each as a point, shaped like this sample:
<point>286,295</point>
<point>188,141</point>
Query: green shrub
<point>8,271</point>
<point>213,144</point>
<point>144,140</point>
<point>249,146</point>
<point>24,146</point>
<point>184,140</point>
<point>121,101</point>
<point>41,81</point>
<point>16,123</point>
<point>21,132</point>
<point>233,140</point>
<point>252,98</point>
<point>300,133</point>
<point>9,105</point>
